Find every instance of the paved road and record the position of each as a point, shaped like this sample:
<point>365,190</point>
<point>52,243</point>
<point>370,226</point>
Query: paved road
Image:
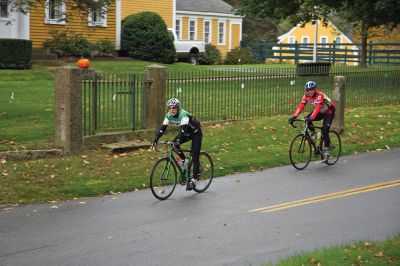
<point>223,226</point>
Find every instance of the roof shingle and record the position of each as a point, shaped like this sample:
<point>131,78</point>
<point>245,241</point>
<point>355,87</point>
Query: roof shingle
<point>212,6</point>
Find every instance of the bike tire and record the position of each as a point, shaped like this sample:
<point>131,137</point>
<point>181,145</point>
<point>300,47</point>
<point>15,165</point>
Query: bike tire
<point>162,179</point>
<point>206,172</point>
<point>300,151</point>
<point>335,148</point>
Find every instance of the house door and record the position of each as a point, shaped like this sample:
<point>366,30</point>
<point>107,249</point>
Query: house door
<point>236,35</point>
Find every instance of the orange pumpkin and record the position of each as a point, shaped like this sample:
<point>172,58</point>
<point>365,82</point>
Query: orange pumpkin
<point>83,63</point>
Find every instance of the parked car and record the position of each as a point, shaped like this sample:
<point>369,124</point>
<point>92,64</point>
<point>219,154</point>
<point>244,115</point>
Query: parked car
<point>187,50</point>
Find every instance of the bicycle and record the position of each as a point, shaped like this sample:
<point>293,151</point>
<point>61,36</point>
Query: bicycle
<point>301,147</point>
<point>163,177</point>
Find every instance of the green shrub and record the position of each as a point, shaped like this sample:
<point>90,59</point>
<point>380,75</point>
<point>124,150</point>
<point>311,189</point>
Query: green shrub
<point>15,54</point>
<point>68,43</point>
<point>211,56</point>
<point>103,47</point>
<point>240,56</point>
<point>144,36</point>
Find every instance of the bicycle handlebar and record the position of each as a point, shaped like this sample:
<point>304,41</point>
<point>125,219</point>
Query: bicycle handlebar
<point>292,124</point>
<point>162,142</point>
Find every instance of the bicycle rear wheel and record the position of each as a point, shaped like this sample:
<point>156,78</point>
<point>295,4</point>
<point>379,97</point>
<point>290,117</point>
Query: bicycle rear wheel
<point>300,152</point>
<point>163,179</point>
<point>206,174</point>
<point>335,148</point>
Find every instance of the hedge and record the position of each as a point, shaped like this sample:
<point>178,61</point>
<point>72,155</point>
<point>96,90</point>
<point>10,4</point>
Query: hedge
<point>15,54</point>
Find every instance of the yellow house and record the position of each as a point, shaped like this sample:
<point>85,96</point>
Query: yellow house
<point>55,15</point>
<point>212,21</point>
<point>318,32</point>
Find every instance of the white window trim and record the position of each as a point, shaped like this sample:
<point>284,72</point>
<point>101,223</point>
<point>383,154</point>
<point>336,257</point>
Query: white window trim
<point>224,33</point>
<point>336,42</point>
<point>102,23</point>
<point>195,29</point>
<point>305,38</point>
<point>322,37</point>
<point>210,30</point>
<point>180,28</point>
<point>60,21</point>
<point>291,39</point>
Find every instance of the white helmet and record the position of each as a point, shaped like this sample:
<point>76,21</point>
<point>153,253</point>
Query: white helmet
<point>310,85</point>
<point>173,102</point>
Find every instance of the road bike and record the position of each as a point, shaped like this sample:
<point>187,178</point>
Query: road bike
<point>164,174</point>
<point>305,144</point>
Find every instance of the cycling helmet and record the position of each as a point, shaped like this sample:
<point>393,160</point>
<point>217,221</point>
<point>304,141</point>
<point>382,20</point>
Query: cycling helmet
<point>310,85</point>
<point>173,102</point>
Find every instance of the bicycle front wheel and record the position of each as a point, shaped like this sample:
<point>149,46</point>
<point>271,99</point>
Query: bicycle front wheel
<point>300,152</point>
<point>163,178</point>
<point>335,148</point>
<point>206,172</point>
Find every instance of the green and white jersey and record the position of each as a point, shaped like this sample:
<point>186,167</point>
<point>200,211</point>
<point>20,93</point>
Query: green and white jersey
<point>184,121</point>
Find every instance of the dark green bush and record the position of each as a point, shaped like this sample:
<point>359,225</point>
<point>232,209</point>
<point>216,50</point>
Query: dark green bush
<point>144,36</point>
<point>68,43</point>
<point>211,56</point>
<point>240,56</point>
<point>15,54</point>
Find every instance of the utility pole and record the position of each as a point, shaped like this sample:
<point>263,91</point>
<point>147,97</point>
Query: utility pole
<point>315,41</point>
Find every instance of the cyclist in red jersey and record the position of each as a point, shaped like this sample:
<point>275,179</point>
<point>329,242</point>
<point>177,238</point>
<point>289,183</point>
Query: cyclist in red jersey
<point>324,109</point>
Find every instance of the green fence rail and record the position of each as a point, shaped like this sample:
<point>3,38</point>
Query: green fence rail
<point>335,53</point>
<point>113,102</point>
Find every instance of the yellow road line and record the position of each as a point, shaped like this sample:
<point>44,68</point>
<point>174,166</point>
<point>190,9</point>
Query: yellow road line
<point>330,196</point>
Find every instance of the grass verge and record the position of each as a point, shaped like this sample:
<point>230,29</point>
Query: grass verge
<point>239,146</point>
<point>377,253</point>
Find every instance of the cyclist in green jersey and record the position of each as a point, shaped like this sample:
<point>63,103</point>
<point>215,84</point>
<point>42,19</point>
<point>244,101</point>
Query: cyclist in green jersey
<point>189,129</point>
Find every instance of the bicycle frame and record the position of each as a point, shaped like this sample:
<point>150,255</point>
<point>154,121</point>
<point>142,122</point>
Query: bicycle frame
<point>305,132</point>
<point>172,154</point>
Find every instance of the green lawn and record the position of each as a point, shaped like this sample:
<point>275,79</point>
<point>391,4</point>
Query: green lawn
<point>238,146</point>
<point>27,96</point>
<point>374,253</point>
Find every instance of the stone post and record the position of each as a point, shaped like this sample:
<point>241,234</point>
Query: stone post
<point>68,109</point>
<point>339,98</point>
<point>153,111</point>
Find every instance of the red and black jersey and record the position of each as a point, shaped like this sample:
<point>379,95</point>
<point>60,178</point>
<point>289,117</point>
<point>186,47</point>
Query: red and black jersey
<point>322,104</point>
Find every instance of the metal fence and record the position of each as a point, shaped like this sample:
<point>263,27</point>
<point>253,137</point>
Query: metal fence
<point>114,102</point>
<point>111,102</point>
<point>226,94</point>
